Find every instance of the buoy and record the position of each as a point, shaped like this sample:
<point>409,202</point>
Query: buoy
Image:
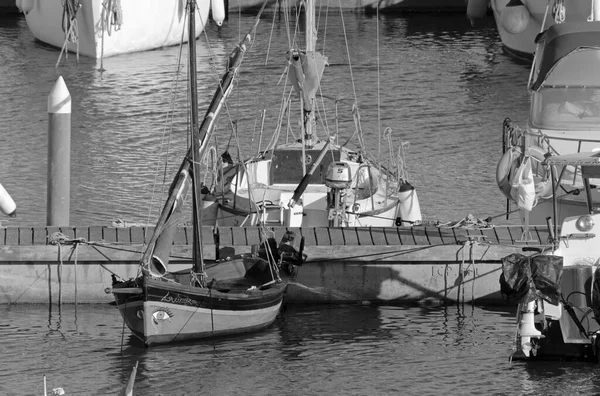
<point>476,9</point>
<point>217,8</point>
<point>7,205</point>
<point>515,17</point>
<point>27,5</point>
<point>409,210</point>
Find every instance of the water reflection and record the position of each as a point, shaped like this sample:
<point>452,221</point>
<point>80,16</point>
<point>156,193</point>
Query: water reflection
<point>456,349</point>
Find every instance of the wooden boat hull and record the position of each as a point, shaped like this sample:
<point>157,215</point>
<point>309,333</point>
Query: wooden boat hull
<point>146,25</point>
<point>159,312</point>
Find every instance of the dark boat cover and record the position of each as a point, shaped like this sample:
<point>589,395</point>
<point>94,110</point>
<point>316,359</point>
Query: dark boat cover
<point>596,294</point>
<point>527,278</point>
<point>561,40</point>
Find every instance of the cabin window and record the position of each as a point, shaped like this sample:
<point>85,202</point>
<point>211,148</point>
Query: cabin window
<point>566,108</point>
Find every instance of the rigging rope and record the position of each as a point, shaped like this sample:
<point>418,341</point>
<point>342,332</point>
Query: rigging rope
<point>69,26</point>
<point>559,11</point>
<point>69,19</point>
<point>112,16</point>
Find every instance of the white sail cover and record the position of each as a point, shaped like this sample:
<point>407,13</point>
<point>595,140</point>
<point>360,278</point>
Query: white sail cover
<point>305,74</point>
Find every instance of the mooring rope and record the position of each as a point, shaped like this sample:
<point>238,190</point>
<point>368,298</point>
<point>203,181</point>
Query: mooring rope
<point>60,239</point>
<point>70,27</point>
<point>112,15</point>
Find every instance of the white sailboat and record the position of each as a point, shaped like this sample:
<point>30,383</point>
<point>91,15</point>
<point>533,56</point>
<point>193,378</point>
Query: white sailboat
<point>103,28</point>
<point>312,180</point>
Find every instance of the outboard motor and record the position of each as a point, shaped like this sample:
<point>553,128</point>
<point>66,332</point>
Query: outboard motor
<point>337,179</point>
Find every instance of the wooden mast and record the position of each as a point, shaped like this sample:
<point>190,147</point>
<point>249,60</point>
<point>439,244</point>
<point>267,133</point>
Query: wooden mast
<point>195,145</point>
<point>201,136</point>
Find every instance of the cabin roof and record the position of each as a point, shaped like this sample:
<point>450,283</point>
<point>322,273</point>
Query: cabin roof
<point>561,40</point>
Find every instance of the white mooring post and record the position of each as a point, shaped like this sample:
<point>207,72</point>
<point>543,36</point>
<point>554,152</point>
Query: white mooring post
<point>59,155</point>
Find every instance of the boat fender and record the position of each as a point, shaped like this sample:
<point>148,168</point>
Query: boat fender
<point>409,210</point>
<point>523,188</point>
<point>217,8</point>
<point>27,6</point>
<point>7,205</point>
<point>18,5</point>
<point>476,9</point>
<point>542,182</point>
<point>515,17</point>
<point>506,168</point>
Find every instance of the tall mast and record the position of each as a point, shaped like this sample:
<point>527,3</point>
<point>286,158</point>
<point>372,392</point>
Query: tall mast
<point>310,25</point>
<point>309,116</point>
<point>196,210</point>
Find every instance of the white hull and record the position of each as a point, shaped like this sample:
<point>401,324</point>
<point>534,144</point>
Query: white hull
<point>146,25</point>
<point>522,44</point>
<point>371,199</point>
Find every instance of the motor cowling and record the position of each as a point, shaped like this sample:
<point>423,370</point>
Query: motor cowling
<point>338,175</point>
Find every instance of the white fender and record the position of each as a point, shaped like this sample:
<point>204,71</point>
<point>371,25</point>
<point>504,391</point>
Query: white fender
<point>27,5</point>
<point>542,182</point>
<point>515,19</point>
<point>595,10</point>
<point>7,205</point>
<point>506,168</point>
<point>476,9</point>
<point>18,4</point>
<point>410,209</point>
<point>218,11</point>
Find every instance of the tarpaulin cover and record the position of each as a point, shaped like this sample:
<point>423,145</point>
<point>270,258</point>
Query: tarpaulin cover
<point>527,278</point>
<point>596,294</point>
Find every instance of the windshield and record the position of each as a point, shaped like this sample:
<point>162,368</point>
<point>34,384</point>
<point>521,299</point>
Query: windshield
<point>566,108</point>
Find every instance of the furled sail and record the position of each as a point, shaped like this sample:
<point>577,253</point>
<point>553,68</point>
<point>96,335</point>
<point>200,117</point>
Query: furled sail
<point>157,255</point>
<point>305,74</point>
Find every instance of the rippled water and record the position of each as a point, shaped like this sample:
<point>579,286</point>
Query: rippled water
<point>341,350</point>
<point>444,86</point>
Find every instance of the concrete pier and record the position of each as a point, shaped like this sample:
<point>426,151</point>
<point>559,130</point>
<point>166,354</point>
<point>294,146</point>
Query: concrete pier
<point>425,265</point>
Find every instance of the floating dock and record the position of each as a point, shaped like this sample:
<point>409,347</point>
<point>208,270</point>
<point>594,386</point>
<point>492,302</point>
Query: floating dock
<point>424,265</point>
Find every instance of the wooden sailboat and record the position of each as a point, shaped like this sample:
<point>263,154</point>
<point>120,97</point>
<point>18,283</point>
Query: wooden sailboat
<point>312,181</point>
<point>163,307</point>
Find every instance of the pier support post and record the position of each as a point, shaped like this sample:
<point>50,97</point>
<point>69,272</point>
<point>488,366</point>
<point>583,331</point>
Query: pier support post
<point>59,155</point>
